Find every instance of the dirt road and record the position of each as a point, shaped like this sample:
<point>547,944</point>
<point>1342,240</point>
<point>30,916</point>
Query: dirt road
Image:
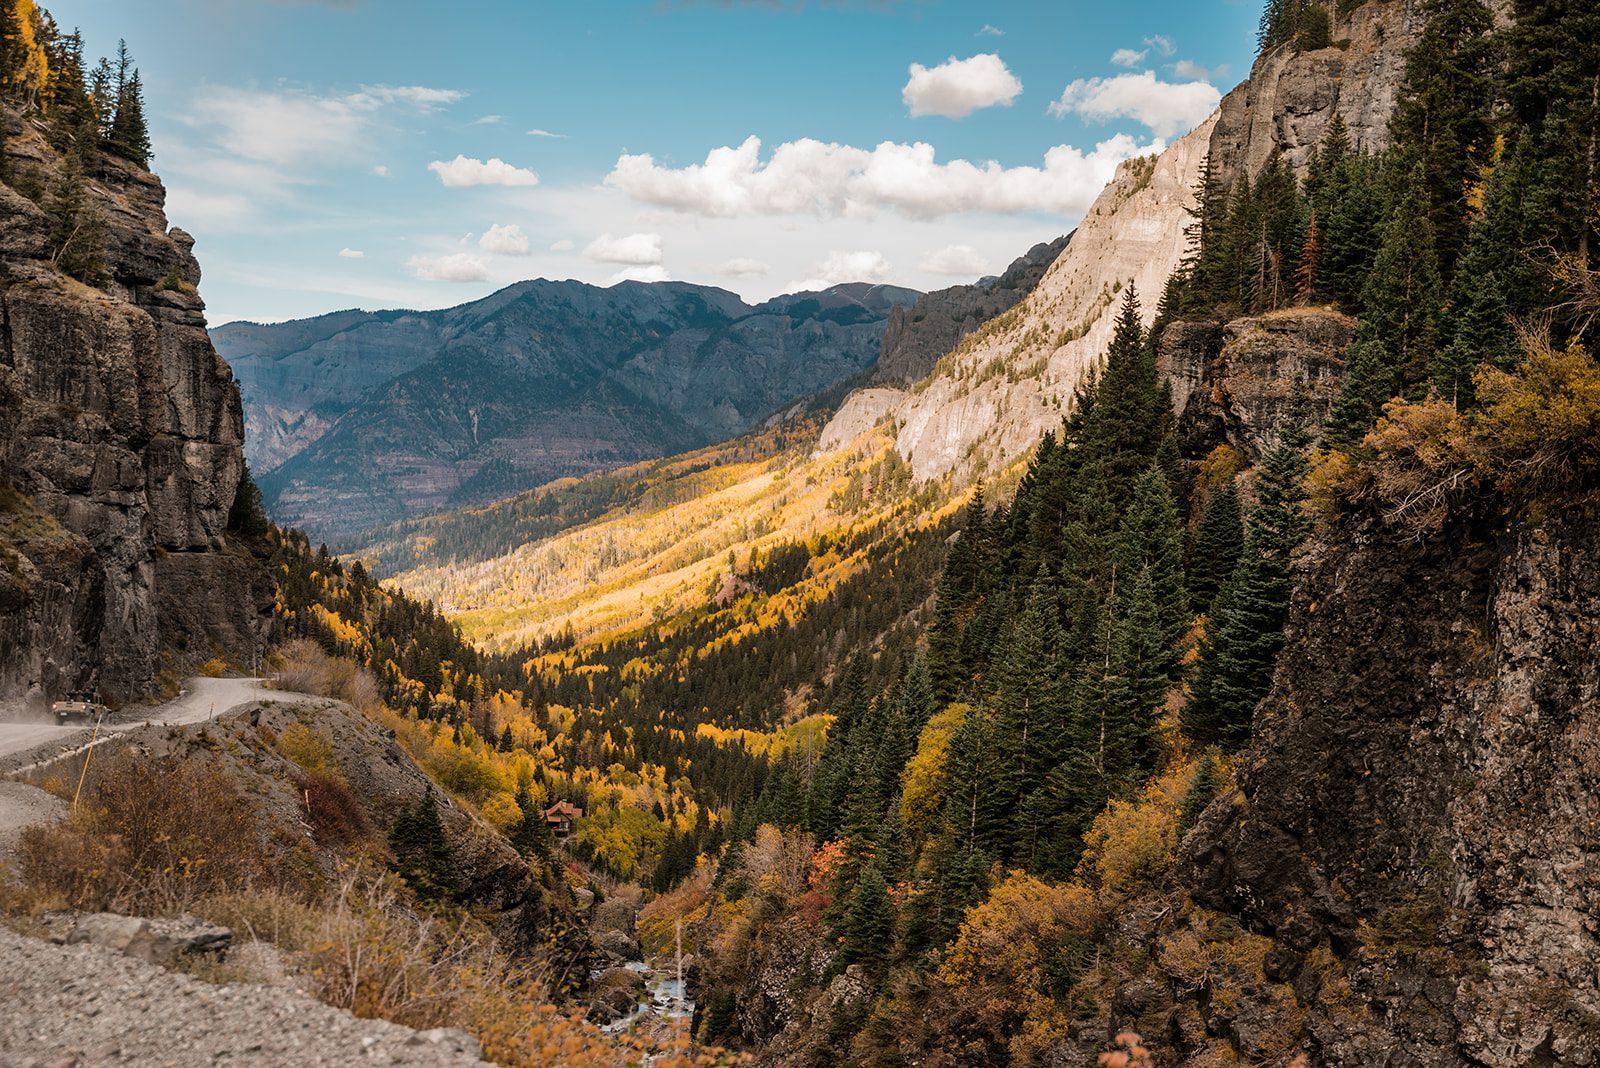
<point>202,698</point>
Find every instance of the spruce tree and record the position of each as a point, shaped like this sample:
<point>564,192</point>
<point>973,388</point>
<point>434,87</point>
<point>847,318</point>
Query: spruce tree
<point>1217,544</point>
<point>531,837</point>
<point>421,851</point>
<point>1241,646</point>
<point>868,928</point>
<point>129,137</point>
<point>1151,540</point>
<point>1202,788</point>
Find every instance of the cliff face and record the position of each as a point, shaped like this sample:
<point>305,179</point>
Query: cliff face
<point>121,440</point>
<point>1416,821</point>
<point>920,333</point>
<point>360,419</point>
<point>1291,96</point>
<point>1000,389</point>
<point>1232,383</point>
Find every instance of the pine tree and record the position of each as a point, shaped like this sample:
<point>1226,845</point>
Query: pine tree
<point>129,136</point>
<point>1202,788</point>
<point>868,928</point>
<point>532,837</point>
<point>1151,540</point>
<point>421,850</point>
<point>1241,647</point>
<point>1305,274</point>
<point>1402,299</point>
<point>1217,544</point>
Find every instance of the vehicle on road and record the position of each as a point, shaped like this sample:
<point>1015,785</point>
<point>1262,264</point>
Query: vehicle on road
<point>79,708</point>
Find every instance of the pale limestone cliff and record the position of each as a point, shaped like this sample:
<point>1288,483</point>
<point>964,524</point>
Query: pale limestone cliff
<point>991,399</point>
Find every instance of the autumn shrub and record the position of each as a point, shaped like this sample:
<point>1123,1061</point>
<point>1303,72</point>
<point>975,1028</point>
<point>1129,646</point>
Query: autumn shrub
<point>151,834</point>
<point>1537,431</point>
<point>304,667</point>
<point>338,818</point>
<point>214,668</point>
<point>1016,959</point>
<point>311,749</point>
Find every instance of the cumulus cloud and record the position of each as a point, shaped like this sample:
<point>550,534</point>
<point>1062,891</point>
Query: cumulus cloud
<point>743,267</point>
<point>504,240</point>
<point>456,267</point>
<point>652,272</point>
<point>1161,43</point>
<point>352,254</point>
<point>639,250</point>
<point>990,31</point>
<point>465,171</point>
<point>865,266</point>
<point>815,177</point>
<point>380,171</point>
<point>955,260</point>
<point>1129,57</point>
<point>1166,107</point>
<point>563,245</point>
<point>1190,70</point>
<point>958,87</point>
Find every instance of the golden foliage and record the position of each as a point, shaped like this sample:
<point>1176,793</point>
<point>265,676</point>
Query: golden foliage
<point>922,781</point>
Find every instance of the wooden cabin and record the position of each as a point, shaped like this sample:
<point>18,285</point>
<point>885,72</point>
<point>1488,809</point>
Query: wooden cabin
<point>561,816</point>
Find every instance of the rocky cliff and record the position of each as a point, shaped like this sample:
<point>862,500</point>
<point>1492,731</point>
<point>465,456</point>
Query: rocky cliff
<point>361,419</point>
<point>121,443</point>
<point>1416,821</point>
<point>1232,383</point>
<point>996,393</point>
<point>920,333</point>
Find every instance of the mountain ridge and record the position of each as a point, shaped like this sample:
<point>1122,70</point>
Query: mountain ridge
<point>539,380</point>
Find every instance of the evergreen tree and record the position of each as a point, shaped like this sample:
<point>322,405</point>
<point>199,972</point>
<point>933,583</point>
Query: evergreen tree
<point>1402,300</point>
<point>421,851</point>
<point>1217,544</point>
<point>1241,647</point>
<point>532,837</point>
<point>129,136</point>
<point>1151,540</point>
<point>868,928</point>
<point>1202,788</point>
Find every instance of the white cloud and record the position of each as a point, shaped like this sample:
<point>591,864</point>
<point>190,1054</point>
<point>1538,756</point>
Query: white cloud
<point>955,260</point>
<point>563,245</point>
<point>1166,107</point>
<point>418,96</point>
<point>1129,57</point>
<point>456,267</point>
<point>488,120</point>
<point>505,240</point>
<point>464,171</point>
<point>743,267</point>
<point>653,272</point>
<point>958,87</point>
<point>865,266</point>
<point>638,250</point>
<point>814,177</point>
<point>536,132</point>
<point>381,171</point>
<point>1161,43</point>
<point>990,31</point>
<point>1192,71</point>
<point>352,254</point>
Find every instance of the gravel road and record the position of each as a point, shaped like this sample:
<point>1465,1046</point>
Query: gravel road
<point>86,1006</point>
<point>203,697</point>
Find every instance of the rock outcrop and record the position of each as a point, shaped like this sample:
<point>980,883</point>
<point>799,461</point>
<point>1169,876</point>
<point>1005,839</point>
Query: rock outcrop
<point>1291,96</point>
<point>1232,383</point>
<point>992,398</point>
<point>121,441</point>
<point>920,333</point>
<point>358,419</point>
<point>1415,825</point>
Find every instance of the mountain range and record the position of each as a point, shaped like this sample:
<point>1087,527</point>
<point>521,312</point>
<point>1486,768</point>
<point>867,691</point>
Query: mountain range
<point>360,418</point>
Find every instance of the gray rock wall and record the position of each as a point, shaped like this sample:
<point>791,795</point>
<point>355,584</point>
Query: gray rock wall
<point>122,442</point>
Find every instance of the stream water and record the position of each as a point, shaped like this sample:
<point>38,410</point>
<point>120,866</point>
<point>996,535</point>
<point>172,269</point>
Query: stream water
<point>664,1003</point>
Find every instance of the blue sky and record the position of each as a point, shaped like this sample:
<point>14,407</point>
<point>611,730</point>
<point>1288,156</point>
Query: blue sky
<point>389,153</point>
